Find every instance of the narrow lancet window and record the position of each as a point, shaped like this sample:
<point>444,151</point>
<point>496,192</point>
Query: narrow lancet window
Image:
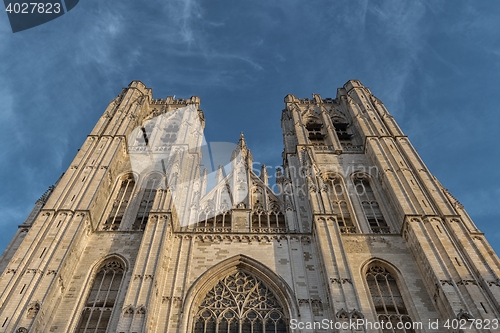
<point>120,203</point>
<point>339,206</point>
<point>370,205</point>
<point>146,203</point>
<point>102,298</point>
<point>387,299</point>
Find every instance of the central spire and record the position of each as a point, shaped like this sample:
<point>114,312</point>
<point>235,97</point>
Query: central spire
<point>241,143</point>
<point>243,151</point>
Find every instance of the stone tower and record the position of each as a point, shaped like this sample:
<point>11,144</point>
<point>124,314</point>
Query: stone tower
<point>357,236</point>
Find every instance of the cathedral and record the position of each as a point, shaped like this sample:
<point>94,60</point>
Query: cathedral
<point>352,234</point>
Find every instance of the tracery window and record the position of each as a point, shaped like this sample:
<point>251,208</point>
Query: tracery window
<point>339,204</point>
<point>146,203</point>
<point>102,298</point>
<point>120,203</point>
<point>370,206</point>
<point>240,303</point>
<point>387,299</point>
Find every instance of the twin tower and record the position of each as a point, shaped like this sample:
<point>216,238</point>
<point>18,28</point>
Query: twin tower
<point>354,235</point>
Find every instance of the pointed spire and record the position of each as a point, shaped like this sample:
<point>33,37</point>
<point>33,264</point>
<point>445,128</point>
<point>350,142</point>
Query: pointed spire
<point>263,174</point>
<point>219,175</point>
<point>317,98</point>
<point>280,181</point>
<point>279,175</point>
<point>241,143</point>
<point>204,181</point>
<point>241,149</point>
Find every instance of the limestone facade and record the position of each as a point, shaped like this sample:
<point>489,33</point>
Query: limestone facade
<point>130,239</point>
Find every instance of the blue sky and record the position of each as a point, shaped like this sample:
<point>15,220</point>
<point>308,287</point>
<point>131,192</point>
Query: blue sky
<point>435,65</point>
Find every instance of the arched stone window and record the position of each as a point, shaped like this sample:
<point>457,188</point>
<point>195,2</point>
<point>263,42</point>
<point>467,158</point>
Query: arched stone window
<point>147,200</point>
<point>240,303</point>
<point>341,126</point>
<point>270,221</point>
<point>338,202</point>
<point>387,299</point>
<point>206,218</point>
<point>120,203</point>
<point>314,132</point>
<point>259,220</point>
<point>223,221</point>
<point>210,220</point>
<point>102,298</point>
<point>370,205</point>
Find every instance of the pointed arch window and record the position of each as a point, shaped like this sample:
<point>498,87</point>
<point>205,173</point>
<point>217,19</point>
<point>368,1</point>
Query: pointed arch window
<point>339,204</point>
<point>240,303</point>
<point>270,221</point>
<point>223,221</point>
<point>208,222</point>
<point>102,298</point>
<point>387,299</point>
<point>370,205</point>
<point>210,219</point>
<point>120,203</point>
<point>146,203</point>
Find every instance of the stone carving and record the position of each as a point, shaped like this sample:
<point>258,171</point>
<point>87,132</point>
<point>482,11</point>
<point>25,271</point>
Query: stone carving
<point>446,282</point>
<point>128,310</point>
<point>342,314</point>
<point>467,282</point>
<point>464,315</point>
<point>33,310</point>
<point>340,280</point>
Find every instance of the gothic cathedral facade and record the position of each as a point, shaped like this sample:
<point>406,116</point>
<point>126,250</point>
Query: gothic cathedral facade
<point>137,237</point>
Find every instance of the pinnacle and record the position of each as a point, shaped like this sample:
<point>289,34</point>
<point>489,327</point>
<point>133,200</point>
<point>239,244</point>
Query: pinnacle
<point>241,143</point>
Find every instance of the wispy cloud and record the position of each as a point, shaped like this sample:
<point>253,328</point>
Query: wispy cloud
<point>396,26</point>
<point>184,16</point>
